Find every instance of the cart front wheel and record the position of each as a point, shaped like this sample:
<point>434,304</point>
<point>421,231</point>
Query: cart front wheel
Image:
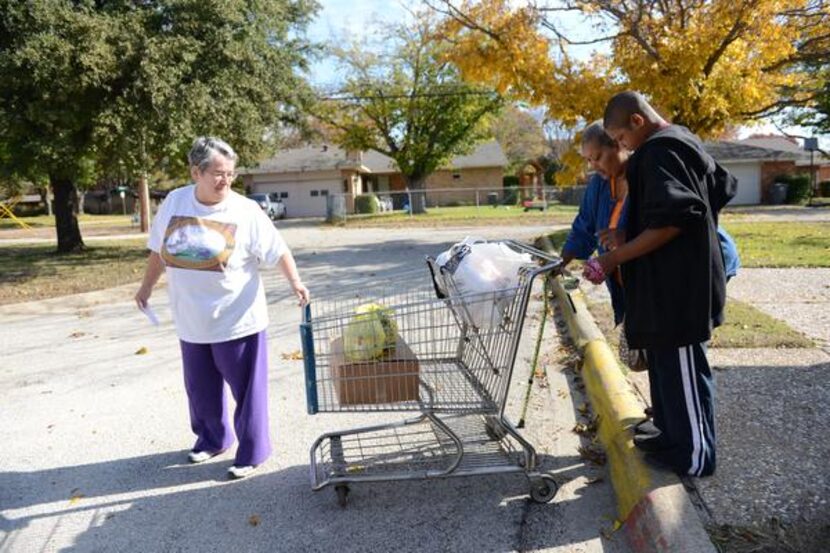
<point>543,490</point>
<point>342,491</point>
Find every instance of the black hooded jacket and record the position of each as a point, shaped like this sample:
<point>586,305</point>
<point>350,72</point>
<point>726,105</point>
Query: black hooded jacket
<point>675,295</point>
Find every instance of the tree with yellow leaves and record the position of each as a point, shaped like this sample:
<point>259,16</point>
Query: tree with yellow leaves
<point>705,64</point>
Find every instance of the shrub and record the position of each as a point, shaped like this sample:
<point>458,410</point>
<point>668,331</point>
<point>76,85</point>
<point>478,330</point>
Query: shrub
<point>798,187</point>
<point>366,203</point>
<point>824,188</point>
<point>510,181</point>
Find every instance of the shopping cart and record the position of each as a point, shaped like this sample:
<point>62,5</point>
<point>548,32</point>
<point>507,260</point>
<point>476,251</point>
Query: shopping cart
<point>426,352</point>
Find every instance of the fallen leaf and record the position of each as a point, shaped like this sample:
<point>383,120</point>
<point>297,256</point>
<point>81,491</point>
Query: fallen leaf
<point>77,334</point>
<point>592,454</point>
<point>608,533</point>
<point>75,496</point>
<point>142,351</point>
<point>253,520</point>
<point>583,408</point>
<point>580,428</point>
<point>295,355</point>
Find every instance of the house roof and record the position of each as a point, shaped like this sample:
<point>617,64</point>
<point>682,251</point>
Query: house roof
<point>332,158</point>
<point>785,144</point>
<point>773,143</point>
<point>728,150</point>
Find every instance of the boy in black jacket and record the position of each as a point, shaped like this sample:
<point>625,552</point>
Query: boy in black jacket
<point>673,272</point>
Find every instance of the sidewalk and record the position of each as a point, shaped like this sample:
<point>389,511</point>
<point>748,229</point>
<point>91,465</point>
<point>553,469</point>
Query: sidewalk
<point>773,409</point>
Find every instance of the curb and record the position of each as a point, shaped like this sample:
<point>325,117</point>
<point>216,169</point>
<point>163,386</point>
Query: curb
<point>657,514</point>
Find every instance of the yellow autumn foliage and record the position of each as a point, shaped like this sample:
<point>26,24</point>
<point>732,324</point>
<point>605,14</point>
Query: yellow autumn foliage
<point>707,65</point>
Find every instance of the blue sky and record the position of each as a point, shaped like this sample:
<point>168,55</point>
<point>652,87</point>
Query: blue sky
<point>335,16</point>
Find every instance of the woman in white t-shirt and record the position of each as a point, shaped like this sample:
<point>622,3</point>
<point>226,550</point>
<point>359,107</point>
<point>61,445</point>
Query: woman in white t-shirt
<point>212,243</point>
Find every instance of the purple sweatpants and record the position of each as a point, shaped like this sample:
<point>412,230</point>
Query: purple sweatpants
<point>243,364</point>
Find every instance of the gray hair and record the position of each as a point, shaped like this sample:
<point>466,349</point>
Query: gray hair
<point>205,148</point>
<point>595,134</point>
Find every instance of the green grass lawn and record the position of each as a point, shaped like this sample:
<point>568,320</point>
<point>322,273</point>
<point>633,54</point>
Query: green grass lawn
<point>84,220</point>
<point>34,271</point>
<point>745,327</point>
<point>786,244</point>
<point>748,327</point>
<point>472,215</point>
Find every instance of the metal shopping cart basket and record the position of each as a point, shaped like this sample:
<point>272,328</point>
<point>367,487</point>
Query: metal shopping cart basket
<point>412,344</point>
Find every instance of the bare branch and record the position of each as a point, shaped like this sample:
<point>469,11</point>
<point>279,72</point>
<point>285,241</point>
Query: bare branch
<point>801,136</point>
<point>778,107</point>
<point>459,16</point>
<point>559,34</point>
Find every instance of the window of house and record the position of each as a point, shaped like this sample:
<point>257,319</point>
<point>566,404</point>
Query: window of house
<point>315,193</point>
<point>324,192</point>
<point>456,176</point>
<point>283,194</point>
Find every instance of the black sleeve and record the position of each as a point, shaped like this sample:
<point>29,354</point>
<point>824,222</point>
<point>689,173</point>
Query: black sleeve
<point>722,187</point>
<point>670,196</point>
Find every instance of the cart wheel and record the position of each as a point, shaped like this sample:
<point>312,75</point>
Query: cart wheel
<point>543,490</point>
<point>342,494</point>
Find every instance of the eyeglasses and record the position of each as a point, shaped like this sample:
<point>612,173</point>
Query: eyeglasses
<point>218,175</point>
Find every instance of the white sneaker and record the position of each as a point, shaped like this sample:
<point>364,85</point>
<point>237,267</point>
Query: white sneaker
<point>201,456</point>
<point>240,471</point>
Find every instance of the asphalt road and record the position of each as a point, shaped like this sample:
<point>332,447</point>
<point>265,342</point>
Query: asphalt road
<point>95,435</point>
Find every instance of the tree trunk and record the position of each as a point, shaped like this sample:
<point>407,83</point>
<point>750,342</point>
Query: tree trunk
<point>66,215</point>
<point>416,185</point>
<point>144,203</point>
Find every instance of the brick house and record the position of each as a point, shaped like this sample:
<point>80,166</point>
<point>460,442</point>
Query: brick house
<point>304,177</point>
<point>757,161</point>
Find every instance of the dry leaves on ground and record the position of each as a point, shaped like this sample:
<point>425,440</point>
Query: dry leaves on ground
<point>593,454</point>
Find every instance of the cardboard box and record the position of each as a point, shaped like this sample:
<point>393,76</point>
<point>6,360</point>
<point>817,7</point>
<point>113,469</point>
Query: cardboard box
<point>386,380</point>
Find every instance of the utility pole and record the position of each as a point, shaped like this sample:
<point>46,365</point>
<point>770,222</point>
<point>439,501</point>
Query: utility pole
<point>811,144</point>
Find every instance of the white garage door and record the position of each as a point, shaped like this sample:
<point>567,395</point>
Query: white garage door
<point>749,183</point>
<point>301,199</point>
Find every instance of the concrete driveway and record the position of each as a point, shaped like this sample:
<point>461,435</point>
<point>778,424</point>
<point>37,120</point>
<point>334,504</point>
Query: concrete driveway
<point>95,431</point>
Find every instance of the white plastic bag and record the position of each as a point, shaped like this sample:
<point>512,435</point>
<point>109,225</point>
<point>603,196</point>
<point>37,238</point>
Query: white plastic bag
<point>485,276</point>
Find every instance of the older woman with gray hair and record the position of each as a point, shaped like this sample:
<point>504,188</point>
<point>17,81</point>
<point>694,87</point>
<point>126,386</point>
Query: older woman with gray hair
<point>603,209</point>
<point>212,243</point>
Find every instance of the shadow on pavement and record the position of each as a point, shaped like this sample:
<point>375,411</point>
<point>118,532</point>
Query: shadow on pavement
<point>155,503</point>
<point>772,453</point>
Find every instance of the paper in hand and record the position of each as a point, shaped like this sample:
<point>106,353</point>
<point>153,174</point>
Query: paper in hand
<point>150,314</point>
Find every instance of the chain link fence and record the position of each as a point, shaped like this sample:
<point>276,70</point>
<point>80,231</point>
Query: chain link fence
<point>340,207</point>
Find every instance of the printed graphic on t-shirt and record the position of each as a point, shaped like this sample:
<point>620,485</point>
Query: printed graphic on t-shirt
<point>198,244</point>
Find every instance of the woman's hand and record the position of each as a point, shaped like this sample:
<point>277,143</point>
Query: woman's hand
<point>302,292</point>
<point>143,296</point>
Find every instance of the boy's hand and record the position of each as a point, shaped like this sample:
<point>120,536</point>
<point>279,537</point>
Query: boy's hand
<point>611,238</point>
<point>608,262</point>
